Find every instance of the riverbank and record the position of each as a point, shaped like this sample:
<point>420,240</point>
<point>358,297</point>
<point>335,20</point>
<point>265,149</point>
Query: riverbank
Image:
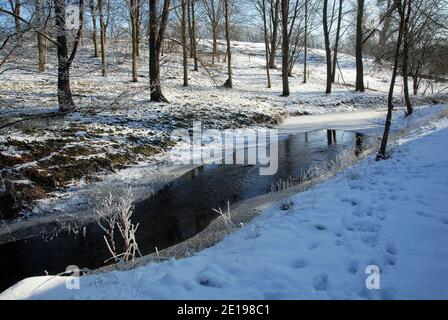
<point>317,249</point>
<point>48,166</point>
<point>147,179</point>
<point>244,211</point>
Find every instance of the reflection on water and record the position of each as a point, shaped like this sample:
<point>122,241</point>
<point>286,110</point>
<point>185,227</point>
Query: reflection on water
<point>177,212</point>
<point>331,137</point>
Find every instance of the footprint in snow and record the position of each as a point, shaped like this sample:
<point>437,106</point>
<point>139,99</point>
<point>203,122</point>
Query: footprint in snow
<point>339,233</point>
<point>320,227</point>
<point>299,263</point>
<point>390,260</point>
<point>207,282</point>
<point>353,267</point>
<point>353,202</point>
<point>370,239</point>
<point>391,248</point>
<point>380,216</point>
<point>320,282</point>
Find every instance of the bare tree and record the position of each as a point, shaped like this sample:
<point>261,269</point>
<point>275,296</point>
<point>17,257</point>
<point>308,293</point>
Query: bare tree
<point>156,35</point>
<point>336,44</point>
<point>138,21</point>
<point>261,7</point>
<point>40,39</point>
<point>423,21</point>
<point>275,18</point>
<point>214,13</point>
<point>185,5</point>
<point>102,39</point>
<point>190,28</point>
<point>359,44</point>
<point>406,39</point>
<point>401,4</point>
<point>327,45</point>
<point>133,13</point>
<point>93,10</point>
<point>295,34</point>
<point>16,7</point>
<point>193,35</point>
<point>65,99</point>
<point>305,43</point>
<point>424,40</point>
<point>229,82</point>
<point>65,60</point>
<point>285,47</point>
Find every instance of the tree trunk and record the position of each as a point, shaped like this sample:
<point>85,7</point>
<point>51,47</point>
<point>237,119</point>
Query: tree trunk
<point>415,85</point>
<point>285,47</point>
<point>193,35</point>
<point>154,58</point>
<point>390,100</point>
<point>215,44</point>
<point>229,82</point>
<point>305,58</point>
<point>65,99</point>
<point>327,45</point>
<point>137,29</point>
<point>275,24</point>
<point>102,39</point>
<point>407,99</point>
<point>359,43</point>
<point>156,35</point>
<point>266,40</point>
<point>16,8</point>
<point>190,28</point>
<point>184,41</point>
<point>40,39</point>
<point>94,31</point>
<point>336,45</point>
<point>133,15</point>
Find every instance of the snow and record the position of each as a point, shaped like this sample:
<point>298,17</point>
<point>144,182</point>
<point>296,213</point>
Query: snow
<point>392,214</point>
<point>106,126</point>
<point>366,121</point>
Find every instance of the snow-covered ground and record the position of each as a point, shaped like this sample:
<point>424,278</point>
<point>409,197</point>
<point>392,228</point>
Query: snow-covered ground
<point>391,214</point>
<point>116,127</point>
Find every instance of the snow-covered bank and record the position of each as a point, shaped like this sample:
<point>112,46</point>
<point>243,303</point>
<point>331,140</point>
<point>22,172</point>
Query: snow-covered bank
<point>369,122</point>
<point>392,214</point>
<point>50,165</point>
<point>73,208</point>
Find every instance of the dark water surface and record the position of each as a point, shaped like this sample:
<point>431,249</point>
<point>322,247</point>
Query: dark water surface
<point>177,212</point>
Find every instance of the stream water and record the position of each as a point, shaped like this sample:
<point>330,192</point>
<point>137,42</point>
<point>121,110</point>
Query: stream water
<point>177,212</point>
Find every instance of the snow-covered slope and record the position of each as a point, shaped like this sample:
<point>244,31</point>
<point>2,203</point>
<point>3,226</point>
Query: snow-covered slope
<point>392,214</point>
